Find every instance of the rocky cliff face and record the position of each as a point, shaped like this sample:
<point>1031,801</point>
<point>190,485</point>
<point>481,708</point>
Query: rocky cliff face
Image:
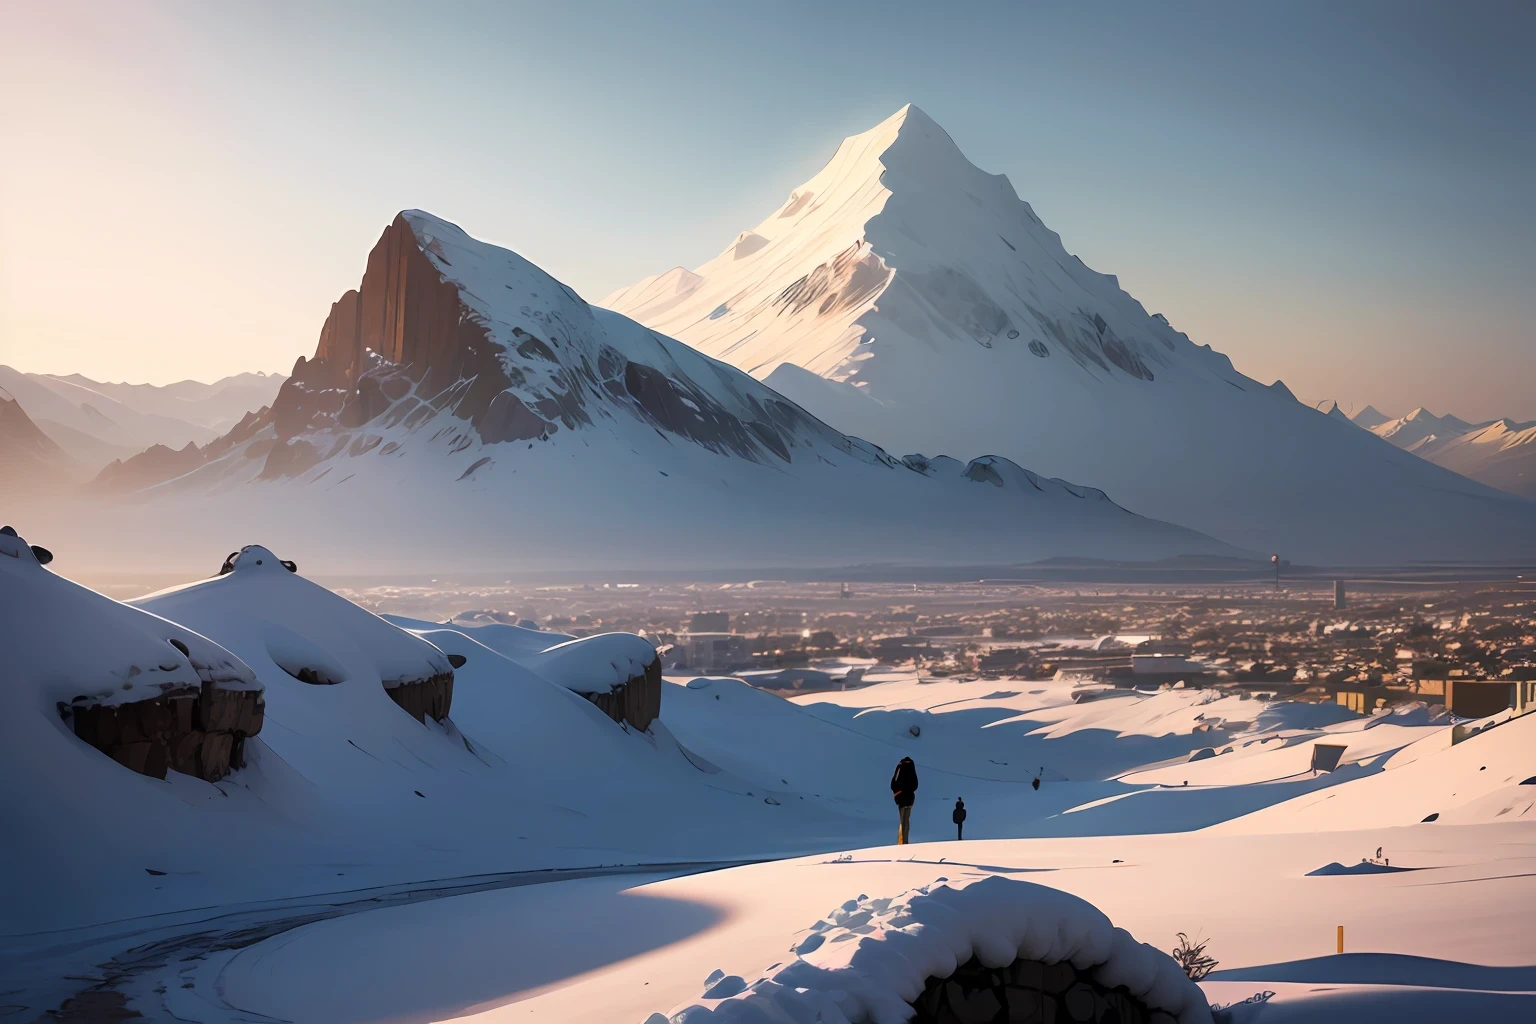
<point>199,732</point>
<point>403,333</point>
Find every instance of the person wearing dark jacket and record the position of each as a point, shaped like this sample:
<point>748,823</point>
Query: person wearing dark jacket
<point>904,789</point>
<point>959,817</point>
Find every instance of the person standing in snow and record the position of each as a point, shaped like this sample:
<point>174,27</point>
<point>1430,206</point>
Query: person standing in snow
<point>959,817</point>
<point>904,789</point>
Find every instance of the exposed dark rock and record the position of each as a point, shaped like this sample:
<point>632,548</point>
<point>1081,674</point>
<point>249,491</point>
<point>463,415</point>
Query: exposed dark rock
<point>666,402</point>
<point>199,732</point>
<point>637,701</point>
<point>290,459</point>
<point>1028,992</point>
<point>832,287</point>
<point>981,472</point>
<point>422,698</point>
<point>483,460</point>
<point>405,329</point>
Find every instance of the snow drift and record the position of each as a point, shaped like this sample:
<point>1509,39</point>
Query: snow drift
<point>871,959</point>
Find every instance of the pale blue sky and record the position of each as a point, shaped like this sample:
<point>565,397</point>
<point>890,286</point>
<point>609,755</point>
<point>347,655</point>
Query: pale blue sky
<point>1335,194</point>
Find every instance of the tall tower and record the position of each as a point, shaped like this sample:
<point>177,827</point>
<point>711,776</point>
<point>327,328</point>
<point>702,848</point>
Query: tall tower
<point>1339,601</point>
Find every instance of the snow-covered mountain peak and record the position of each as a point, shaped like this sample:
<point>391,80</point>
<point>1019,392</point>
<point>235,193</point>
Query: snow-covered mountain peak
<point>1370,418</point>
<point>901,245</point>
<point>910,142</point>
<point>904,295</point>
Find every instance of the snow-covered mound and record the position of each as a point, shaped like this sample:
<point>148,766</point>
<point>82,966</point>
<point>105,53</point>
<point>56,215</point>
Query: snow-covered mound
<point>595,664</point>
<point>906,296</point>
<point>868,961</point>
<point>261,607</point>
<point>66,643</point>
<point>459,376</point>
<point>151,694</point>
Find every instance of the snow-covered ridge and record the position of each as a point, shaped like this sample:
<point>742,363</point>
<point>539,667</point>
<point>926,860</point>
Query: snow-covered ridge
<point>867,961</point>
<point>888,222</point>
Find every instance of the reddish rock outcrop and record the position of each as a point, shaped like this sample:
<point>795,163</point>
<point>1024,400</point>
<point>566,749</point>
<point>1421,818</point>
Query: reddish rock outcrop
<point>637,701</point>
<point>199,732</point>
<point>424,698</point>
<point>405,328</point>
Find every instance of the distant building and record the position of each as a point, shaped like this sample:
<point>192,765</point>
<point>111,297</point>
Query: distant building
<point>1478,698</point>
<point>1525,696</point>
<point>1165,665</point>
<point>710,622</point>
<point>711,652</point>
<point>1326,756</point>
<point>1339,600</point>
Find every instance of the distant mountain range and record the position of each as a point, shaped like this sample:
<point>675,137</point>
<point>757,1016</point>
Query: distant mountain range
<point>1500,453</point>
<point>465,410</point>
<point>95,422</point>
<point>905,296</point>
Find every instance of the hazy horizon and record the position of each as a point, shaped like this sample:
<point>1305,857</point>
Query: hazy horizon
<point>1334,196</point>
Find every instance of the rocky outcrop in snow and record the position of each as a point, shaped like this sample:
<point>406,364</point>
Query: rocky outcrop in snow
<point>199,732</point>
<point>148,693</point>
<point>618,672</point>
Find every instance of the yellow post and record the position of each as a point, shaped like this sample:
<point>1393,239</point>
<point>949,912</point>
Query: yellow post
<point>1341,938</point>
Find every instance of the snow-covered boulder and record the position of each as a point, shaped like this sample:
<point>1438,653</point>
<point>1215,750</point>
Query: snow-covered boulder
<point>262,608</point>
<point>619,672</point>
<point>940,954</point>
<point>149,693</point>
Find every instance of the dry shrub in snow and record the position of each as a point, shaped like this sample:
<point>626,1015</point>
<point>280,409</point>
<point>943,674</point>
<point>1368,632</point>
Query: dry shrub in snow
<point>1191,956</point>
